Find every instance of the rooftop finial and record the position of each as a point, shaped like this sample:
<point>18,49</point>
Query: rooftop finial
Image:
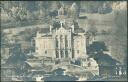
<point>50,28</point>
<point>61,23</point>
<point>72,28</point>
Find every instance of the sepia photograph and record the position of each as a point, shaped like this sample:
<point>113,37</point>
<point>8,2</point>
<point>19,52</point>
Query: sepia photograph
<point>63,40</point>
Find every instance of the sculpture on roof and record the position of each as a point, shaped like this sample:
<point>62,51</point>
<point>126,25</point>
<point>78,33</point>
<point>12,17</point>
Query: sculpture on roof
<point>73,11</point>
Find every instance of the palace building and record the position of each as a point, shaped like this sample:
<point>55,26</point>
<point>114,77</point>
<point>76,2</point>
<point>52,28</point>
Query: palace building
<point>61,42</point>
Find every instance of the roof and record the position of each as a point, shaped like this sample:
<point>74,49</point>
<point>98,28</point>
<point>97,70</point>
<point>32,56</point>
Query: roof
<point>82,14</point>
<point>47,35</point>
<point>34,64</point>
<point>38,66</point>
<point>79,30</point>
<point>44,30</point>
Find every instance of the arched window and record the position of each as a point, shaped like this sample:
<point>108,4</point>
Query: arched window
<point>62,53</point>
<point>57,54</point>
<point>66,41</point>
<point>56,42</point>
<point>45,51</point>
<point>61,41</point>
<point>72,53</point>
<point>61,38</point>
<point>66,54</point>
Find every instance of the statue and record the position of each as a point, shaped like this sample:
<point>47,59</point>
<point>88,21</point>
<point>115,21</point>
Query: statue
<point>61,11</point>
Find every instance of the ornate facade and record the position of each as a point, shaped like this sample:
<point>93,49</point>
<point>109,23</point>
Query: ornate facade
<point>61,42</point>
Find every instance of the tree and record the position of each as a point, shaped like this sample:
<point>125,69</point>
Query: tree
<point>97,47</point>
<point>93,31</point>
<point>96,51</point>
<point>17,58</point>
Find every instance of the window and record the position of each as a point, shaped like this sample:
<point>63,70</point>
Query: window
<point>57,54</point>
<point>66,54</point>
<point>62,53</point>
<point>78,51</point>
<point>56,43</point>
<point>66,41</point>
<point>72,53</point>
<point>61,38</point>
<point>46,52</point>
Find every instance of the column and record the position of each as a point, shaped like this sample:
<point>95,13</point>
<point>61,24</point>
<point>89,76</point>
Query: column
<point>56,47</point>
<point>59,44</point>
<point>70,45</point>
<point>64,46</point>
